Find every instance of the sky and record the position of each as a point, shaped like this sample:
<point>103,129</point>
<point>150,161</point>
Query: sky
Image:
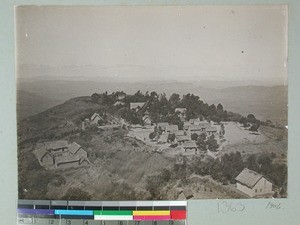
<point>153,43</point>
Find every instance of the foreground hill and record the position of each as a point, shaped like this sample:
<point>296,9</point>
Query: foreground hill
<point>125,168</point>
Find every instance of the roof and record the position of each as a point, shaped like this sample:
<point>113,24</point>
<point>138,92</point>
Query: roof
<point>146,117</point>
<point>66,159</point>
<point>198,127</point>
<point>74,147</point>
<point>182,138</point>
<point>39,153</point>
<point>181,110</point>
<point>194,120</point>
<point>121,96</point>
<point>95,115</point>
<point>135,105</point>
<point>163,138</point>
<point>249,177</point>
<point>172,128</point>
<point>55,145</point>
<point>119,103</point>
<point>179,133</point>
<point>186,125</point>
<point>198,132</point>
<point>190,144</point>
<point>163,125</point>
<point>81,160</point>
<point>211,129</point>
<point>211,154</point>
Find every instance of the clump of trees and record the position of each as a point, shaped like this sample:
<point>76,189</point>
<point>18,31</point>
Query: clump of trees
<point>251,122</point>
<point>212,143</point>
<point>162,109</point>
<point>203,142</point>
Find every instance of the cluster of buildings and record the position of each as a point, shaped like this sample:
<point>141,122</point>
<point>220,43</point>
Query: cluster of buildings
<point>183,137</point>
<point>61,154</point>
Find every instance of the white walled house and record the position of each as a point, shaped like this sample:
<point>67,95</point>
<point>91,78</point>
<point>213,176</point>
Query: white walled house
<point>95,118</point>
<point>253,184</point>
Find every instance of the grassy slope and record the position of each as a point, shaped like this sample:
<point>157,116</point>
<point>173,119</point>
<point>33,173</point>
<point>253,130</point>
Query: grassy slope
<point>120,167</point>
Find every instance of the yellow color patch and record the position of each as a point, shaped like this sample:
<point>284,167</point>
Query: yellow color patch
<point>152,213</point>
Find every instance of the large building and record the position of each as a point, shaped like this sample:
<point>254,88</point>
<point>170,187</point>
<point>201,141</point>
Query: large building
<point>254,184</point>
<point>60,154</point>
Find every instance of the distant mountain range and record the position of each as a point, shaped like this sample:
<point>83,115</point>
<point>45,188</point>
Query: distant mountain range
<point>264,102</point>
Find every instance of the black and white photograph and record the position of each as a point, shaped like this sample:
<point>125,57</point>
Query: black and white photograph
<point>152,102</point>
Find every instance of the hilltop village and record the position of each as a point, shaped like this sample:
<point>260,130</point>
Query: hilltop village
<point>153,146</point>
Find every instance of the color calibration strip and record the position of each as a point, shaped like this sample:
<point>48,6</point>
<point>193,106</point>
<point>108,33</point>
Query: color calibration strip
<point>94,210</point>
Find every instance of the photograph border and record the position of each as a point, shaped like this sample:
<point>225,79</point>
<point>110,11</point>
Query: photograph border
<point>282,211</point>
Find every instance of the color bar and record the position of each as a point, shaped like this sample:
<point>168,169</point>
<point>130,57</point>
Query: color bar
<point>74,212</point>
<point>113,212</point>
<point>36,211</point>
<point>152,217</point>
<point>178,214</point>
<point>112,217</point>
<point>152,213</point>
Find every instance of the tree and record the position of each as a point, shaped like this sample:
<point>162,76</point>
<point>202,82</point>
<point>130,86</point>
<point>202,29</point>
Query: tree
<point>219,107</point>
<point>194,136</point>
<point>171,137</point>
<point>251,163</point>
<point>216,118</point>
<point>251,118</point>
<point>212,143</point>
<point>95,97</point>
<point>174,100</point>
<point>222,131</point>
<point>201,143</point>
<point>152,135</point>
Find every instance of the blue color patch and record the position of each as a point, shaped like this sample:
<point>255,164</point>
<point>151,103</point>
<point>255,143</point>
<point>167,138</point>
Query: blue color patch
<point>74,212</point>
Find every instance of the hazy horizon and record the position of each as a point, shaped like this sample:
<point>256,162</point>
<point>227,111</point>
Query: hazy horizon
<point>243,44</point>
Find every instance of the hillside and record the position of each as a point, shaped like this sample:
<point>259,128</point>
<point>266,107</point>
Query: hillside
<point>142,172</point>
<point>267,103</point>
<point>29,104</point>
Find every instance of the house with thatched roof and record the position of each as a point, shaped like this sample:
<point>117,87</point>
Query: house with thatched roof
<point>190,145</point>
<point>147,120</point>
<point>182,138</point>
<point>171,128</point>
<point>211,130</point>
<point>254,184</point>
<point>198,127</point>
<point>55,147</point>
<point>76,149</point>
<point>60,154</point>
<point>96,118</point>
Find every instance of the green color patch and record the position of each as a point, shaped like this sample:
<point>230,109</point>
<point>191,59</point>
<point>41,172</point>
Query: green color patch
<point>113,212</point>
